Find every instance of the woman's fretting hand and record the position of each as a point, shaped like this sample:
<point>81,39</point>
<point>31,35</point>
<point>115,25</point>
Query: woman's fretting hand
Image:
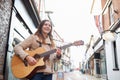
<point>58,51</point>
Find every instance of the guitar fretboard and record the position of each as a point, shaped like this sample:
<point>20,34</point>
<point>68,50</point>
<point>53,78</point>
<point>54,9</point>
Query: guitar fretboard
<point>54,50</point>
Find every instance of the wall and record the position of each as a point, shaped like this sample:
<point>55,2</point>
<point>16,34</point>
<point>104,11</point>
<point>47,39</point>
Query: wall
<point>112,75</point>
<point>8,24</point>
<point>5,12</point>
<point>116,5</point>
<point>118,50</point>
<point>21,23</point>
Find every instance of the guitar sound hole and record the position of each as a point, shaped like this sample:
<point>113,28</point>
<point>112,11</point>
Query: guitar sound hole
<point>36,56</point>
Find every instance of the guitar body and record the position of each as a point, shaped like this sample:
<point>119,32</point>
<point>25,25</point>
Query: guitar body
<point>20,70</point>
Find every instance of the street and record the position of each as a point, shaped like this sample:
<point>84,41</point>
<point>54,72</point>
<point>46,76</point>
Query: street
<point>76,75</point>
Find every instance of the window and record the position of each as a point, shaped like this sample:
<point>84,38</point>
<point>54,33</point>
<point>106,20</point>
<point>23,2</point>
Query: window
<point>115,60</point>
<point>21,29</point>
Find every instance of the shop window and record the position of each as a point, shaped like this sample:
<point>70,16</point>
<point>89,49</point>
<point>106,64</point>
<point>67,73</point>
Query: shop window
<point>115,60</point>
<point>21,20</point>
<point>15,41</point>
<point>97,55</point>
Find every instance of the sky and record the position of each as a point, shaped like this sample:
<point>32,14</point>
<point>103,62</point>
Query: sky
<point>73,21</point>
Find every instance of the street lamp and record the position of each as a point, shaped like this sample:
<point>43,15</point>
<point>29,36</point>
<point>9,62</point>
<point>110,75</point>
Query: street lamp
<point>48,12</point>
<point>109,35</point>
<point>48,15</point>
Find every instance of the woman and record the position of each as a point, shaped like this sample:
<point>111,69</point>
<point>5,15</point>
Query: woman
<point>42,38</point>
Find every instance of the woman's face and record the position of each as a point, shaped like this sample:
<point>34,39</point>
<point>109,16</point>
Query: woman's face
<point>46,27</point>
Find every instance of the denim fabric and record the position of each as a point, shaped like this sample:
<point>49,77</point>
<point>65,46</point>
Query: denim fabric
<point>41,76</point>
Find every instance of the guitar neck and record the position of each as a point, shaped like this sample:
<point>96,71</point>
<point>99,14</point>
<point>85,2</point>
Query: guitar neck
<point>66,46</point>
<point>48,52</point>
<point>54,50</point>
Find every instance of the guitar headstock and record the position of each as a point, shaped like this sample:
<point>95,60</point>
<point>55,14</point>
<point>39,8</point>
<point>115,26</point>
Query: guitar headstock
<point>78,43</point>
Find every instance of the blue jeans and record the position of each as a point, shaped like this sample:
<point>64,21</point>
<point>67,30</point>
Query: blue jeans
<point>41,76</point>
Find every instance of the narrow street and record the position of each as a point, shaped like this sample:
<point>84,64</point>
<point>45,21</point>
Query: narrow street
<point>76,75</point>
<point>86,31</point>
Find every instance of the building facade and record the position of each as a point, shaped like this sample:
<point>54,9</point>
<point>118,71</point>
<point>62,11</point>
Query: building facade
<point>106,48</point>
<point>19,19</point>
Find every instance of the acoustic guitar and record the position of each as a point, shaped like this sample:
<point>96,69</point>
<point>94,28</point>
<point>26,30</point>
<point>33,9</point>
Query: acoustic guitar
<point>21,69</point>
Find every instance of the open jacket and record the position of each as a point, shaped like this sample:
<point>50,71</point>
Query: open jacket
<point>33,43</point>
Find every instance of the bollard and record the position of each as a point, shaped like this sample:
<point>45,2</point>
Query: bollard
<point>60,75</point>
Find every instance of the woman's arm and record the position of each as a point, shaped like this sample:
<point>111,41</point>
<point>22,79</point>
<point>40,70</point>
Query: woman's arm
<point>19,48</point>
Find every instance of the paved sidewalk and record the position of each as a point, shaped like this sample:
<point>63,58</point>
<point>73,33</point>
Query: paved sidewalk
<point>77,76</point>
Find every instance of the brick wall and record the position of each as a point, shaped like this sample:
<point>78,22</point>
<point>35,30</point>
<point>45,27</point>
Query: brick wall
<point>116,6</point>
<point>5,11</point>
